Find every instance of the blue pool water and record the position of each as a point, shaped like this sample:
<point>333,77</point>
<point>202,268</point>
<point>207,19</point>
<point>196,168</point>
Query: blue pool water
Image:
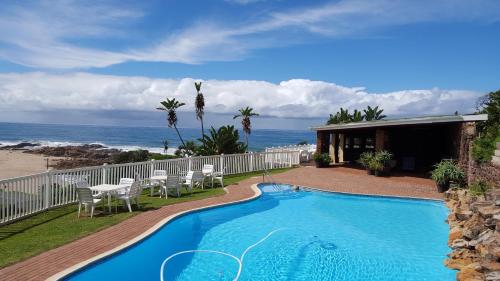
<point>305,235</point>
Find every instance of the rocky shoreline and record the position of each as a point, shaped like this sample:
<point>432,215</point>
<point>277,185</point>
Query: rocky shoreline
<point>74,156</point>
<point>474,234</point>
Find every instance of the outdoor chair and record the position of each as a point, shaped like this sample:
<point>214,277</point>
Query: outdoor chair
<point>191,179</point>
<point>153,183</point>
<point>86,199</point>
<point>207,171</point>
<point>133,193</point>
<point>172,183</point>
<point>83,183</point>
<point>219,176</point>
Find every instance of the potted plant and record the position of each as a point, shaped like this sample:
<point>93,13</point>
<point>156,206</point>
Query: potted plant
<point>376,165</point>
<point>385,157</point>
<point>364,160</point>
<point>322,159</point>
<point>445,172</point>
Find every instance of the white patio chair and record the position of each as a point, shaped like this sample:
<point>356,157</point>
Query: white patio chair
<point>207,171</point>
<point>86,199</point>
<point>132,194</point>
<point>84,184</point>
<point>172,183</point>
<point>219,176</point>
<point>153,183</point>
<point>191,179</point>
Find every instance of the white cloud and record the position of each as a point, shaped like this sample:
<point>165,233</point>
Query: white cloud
<point>293,98</point>
<point>41,36</point>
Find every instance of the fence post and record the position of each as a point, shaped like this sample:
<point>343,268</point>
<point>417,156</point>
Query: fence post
<point>221,163</point>
<point>104,168</point>
<point>273,155</point>
<point>152,168</point>
<point>251,162</point>
<point>190,163</point>
<point>48,188</point>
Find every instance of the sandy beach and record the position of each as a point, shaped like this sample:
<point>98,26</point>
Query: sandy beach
<point>15,163</point>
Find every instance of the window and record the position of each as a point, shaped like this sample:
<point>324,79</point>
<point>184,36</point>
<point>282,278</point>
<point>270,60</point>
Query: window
<point>357,143</point>
<point>370,143</point>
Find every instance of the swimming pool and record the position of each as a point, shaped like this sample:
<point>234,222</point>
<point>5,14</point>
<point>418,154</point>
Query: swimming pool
<point>286,235</point>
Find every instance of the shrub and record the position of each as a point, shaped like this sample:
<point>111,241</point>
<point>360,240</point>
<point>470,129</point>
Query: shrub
<point>479,188</point>
<point>384,157</point>
<point>131,156</point>
<point>322,158</point>
<point>365,158</point>
<point>446,171</point>
<point>376,164</point>
<point>484,148</point>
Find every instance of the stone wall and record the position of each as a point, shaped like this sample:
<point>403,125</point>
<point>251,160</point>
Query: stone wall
<point>474,235</point>
<point>486,172</point>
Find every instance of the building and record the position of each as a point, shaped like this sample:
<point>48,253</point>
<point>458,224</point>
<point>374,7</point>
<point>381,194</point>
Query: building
<point>416,143</point>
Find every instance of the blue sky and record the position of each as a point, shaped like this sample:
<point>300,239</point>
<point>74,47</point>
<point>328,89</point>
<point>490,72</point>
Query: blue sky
<point>410,57</point>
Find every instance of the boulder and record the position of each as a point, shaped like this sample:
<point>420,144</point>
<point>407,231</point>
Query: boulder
<point>459,243</point>
<point>473,226</point>
<point>455,233</point>
<point>489,266</point>
<point>485,237</point>
<point>492,276</point>
<point>463,215</point>
<point>470,273</point>
<point>460,258</point>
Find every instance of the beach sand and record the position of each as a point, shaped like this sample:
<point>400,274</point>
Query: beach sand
<point>15,163</point>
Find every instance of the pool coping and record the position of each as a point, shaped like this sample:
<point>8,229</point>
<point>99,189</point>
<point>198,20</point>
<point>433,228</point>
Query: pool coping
<point>372,195</point>
<point>147,233</point>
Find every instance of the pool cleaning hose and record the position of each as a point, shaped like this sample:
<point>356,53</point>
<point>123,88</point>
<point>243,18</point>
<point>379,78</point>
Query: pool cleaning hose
<point>238,260</point>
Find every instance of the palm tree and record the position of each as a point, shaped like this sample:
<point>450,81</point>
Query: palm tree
<point>170,106</point>
<point>357,116</point>
<point>245,114</point>
<point>199,104</point>
<point>225,140</point>
<point>341,116</point>
<point>373,113</point>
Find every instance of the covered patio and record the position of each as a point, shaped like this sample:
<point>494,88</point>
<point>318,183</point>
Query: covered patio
<point>416,143</point>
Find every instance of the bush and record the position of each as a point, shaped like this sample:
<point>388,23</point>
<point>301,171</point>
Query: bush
<point>446,171</point>
<point>365,158</point>
<point>484,147</point>
<point>131,156</point>
<point>376,164</point>
<point>479,188</point>
<point>323,159</point>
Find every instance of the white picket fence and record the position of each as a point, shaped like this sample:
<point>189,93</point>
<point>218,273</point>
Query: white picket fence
<point>306,150</point>
<point>24,196</point>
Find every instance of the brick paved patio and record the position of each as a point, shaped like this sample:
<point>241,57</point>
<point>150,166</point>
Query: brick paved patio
<point>334,179</point>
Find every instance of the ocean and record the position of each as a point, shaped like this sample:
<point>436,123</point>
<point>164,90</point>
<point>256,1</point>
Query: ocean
<point>130,138</point>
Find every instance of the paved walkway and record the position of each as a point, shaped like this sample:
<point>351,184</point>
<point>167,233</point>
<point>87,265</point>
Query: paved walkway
<point>335,179</point>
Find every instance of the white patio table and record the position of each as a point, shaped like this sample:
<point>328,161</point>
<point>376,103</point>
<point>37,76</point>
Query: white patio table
<point>160,179</point>
<point>108,189</point>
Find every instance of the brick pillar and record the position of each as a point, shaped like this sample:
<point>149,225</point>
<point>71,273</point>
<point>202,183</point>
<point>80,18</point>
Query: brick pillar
<point>322,141</point>
<point>333,145</point>
<point>380,138</point>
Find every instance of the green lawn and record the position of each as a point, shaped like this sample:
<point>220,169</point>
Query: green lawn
<point>31,236</point>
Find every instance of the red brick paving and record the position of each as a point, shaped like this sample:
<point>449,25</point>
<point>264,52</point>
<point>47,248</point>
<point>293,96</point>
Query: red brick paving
<point>334,179</point>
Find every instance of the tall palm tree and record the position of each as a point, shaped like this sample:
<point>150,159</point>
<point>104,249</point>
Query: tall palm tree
<point>199,104</point>
<point>245,114</point>
<point>373,113</point>
<point>170,106</point>
<point>341,116</point>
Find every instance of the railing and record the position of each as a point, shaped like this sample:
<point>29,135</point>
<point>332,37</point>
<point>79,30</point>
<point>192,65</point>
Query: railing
<point>24,196</point>
<point>306,150</point>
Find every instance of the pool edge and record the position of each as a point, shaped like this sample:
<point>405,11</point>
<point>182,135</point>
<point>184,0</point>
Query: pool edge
<point>374,195</point>
<point>147,233</point>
